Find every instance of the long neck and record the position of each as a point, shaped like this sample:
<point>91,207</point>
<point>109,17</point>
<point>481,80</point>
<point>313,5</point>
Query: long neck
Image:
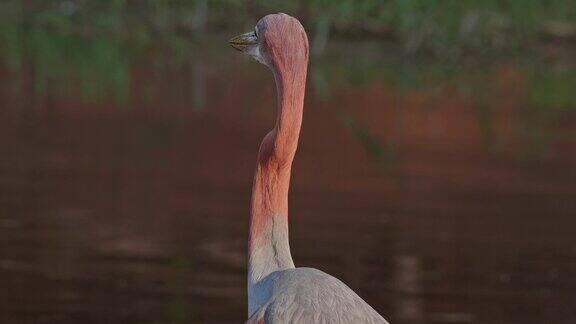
<point>268,247</point>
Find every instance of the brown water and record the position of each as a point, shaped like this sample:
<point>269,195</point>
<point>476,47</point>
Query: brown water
<point>440,193</point>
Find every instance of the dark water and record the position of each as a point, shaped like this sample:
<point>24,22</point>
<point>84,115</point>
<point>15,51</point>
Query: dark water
<point>440,192</point>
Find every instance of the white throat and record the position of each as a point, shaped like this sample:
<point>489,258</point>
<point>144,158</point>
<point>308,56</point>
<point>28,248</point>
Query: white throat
<point>270,252</point>
<point>256,53</point>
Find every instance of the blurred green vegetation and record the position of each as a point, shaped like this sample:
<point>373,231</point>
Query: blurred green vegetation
<point>440,26</point>
<point>91,46</point>
<point>92,43</point>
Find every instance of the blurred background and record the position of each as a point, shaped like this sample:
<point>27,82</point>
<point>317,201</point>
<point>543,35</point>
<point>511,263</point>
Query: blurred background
<point>435,174</point>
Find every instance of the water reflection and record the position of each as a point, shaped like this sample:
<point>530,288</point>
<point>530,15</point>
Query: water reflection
<point>443,192</point>
<point>408,280</point>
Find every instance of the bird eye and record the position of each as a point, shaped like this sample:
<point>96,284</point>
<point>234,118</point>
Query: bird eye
<point>256,32</point>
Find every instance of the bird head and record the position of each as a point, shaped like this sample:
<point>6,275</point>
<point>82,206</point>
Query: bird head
<point>278,41</point>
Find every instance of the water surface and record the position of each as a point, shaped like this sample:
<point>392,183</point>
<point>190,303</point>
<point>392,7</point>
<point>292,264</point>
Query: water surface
<point>442,192</point>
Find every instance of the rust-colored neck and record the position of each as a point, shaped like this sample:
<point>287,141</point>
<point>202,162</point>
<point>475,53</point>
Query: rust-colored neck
<point>268,242</point>
<point>272,178</point>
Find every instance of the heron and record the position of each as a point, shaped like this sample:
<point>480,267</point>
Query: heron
<point>278,292</point>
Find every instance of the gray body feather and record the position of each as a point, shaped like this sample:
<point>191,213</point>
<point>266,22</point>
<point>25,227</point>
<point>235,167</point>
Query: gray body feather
<point>307,295</point>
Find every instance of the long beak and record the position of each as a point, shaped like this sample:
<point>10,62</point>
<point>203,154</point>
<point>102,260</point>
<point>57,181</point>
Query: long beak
<point>242,42</point>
